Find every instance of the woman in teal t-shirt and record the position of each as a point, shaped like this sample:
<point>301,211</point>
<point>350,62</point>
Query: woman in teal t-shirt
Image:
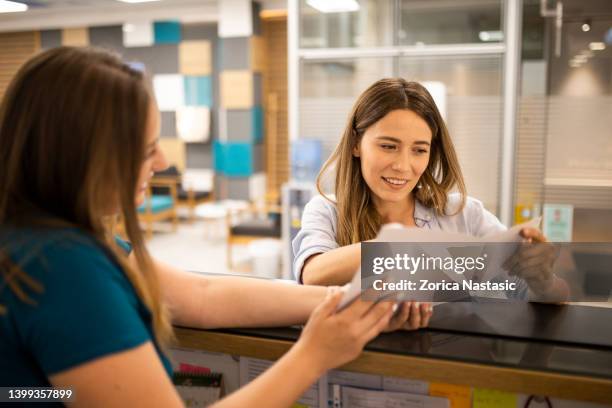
<point>78,144</point>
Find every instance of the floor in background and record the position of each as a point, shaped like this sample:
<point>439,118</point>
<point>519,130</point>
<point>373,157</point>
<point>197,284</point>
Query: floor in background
<point>200,246</point>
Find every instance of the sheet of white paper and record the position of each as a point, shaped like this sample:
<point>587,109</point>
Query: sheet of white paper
<point>351,290</point>
<point>314,397</point>
<point>361,398</point>
<point>361,380</point>
<point>496,254</point>
<point>399,233</point>
<point>405,385</point>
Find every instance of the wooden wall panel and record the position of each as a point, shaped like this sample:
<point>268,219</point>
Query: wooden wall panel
<point>15,49</point>
<point>274,33</point>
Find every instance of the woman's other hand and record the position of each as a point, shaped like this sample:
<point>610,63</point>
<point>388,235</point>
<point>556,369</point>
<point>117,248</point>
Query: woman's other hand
<point>410,316</point>
<point>534,261</point>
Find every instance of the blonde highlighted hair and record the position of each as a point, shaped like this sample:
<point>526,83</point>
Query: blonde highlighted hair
<point>72,142</point>
<point>358,219</point>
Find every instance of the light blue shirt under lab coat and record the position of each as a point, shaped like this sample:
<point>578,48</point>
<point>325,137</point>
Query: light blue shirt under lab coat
<point>320,220</point>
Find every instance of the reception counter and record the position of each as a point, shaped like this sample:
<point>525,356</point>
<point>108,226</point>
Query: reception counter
<point>557,351</point>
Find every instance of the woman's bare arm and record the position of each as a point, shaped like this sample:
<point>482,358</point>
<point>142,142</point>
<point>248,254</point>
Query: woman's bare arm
<point>335,267</point>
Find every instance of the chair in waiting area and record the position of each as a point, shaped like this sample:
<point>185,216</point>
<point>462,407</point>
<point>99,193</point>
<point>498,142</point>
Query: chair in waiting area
<point>158,207</point>
<point>263,221</point>
<point>186,195</point>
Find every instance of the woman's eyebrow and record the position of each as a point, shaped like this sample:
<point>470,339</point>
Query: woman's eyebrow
<point>422,142</point>
<point>390,139</point>
<point>396,140</point>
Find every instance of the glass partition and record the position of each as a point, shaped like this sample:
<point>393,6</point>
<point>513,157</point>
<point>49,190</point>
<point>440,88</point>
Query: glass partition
<point>564,148</point>
<point>450,22</point>
<point>469,95</point>
<point>459,48</point>
<point>363,23</point>
<point>328,90</point>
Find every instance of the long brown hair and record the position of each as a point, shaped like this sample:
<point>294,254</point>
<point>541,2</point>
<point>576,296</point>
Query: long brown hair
<point>72,142</point>
<point>358,219</point>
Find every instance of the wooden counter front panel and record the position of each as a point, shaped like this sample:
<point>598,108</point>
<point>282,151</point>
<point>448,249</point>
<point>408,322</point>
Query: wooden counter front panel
<point>428,369</point>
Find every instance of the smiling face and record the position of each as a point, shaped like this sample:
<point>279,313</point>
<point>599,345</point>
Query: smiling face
<point>154,158</point>
<point>394,153</point>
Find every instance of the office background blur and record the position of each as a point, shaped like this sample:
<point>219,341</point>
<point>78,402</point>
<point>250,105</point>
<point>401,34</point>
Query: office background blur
<point>255,95</point>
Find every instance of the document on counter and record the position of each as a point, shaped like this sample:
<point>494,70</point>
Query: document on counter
<point>405,385</point>
<point>338,379</point>
<point>496,254</point>
<point>361,398</point>
<point>314,397</point>
<point>353,379</point>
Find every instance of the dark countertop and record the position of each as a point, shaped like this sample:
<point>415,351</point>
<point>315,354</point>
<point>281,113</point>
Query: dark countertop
<point>560,339</point>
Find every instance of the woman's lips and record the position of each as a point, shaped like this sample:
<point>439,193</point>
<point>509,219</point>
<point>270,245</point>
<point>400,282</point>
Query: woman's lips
<point>395,183</point>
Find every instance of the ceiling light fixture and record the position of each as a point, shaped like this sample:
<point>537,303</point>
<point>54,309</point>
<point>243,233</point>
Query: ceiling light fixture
<point>137,1</point>
<point>586,26</point>
<point>597,46</point>
<point>488,36</point>
<point>580,58</point>
<point>12,6</point>
<point>333,6</point>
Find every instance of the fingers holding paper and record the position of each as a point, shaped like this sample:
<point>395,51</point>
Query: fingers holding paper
<point>410,316</point>
<point>534,262</point>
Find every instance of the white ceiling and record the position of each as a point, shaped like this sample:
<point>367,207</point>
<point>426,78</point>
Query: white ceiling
<point>49,14</point>
<point>91,3</point>
<point>65,3</point>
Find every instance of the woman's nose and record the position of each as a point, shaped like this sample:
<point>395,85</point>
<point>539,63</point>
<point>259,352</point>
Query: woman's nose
<point>160,163</point>
<point>402,163</point>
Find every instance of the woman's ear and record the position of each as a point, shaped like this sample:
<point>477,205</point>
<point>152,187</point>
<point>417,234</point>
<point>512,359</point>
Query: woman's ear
<point>356,152</point>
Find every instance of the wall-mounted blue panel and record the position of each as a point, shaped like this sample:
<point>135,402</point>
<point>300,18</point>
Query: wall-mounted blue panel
<point>198,91</point>
<point>233,159</point>
<point>238,159</point>
<point>167,32</point>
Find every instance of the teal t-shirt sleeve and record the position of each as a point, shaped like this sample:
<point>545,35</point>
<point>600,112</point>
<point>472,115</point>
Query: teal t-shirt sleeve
<point>88,308</point>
